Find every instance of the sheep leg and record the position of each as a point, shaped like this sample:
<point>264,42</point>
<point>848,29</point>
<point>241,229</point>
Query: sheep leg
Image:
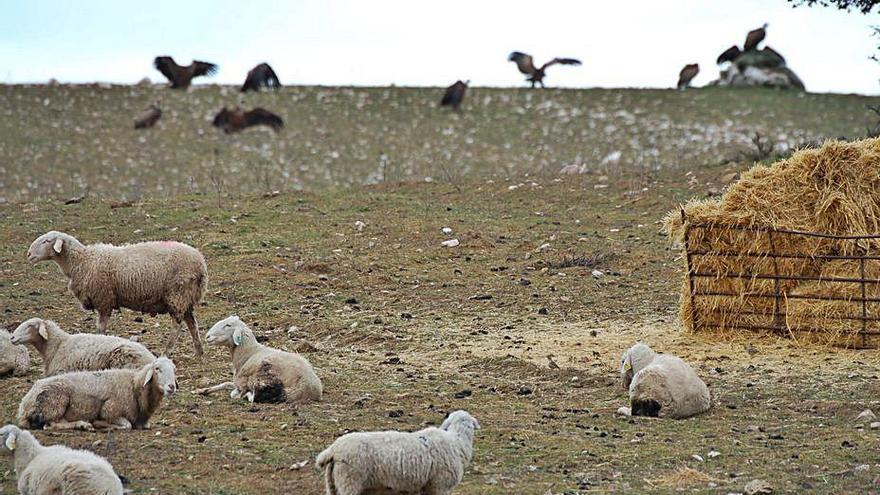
<point>215,388</point>
<point>193,327</point>
<point>624,411</point>
<point>70,425</point>
<point>175,333</point>
<point>346,480</point>
<point>103,320</point>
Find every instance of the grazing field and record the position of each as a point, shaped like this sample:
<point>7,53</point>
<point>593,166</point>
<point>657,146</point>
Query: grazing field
<point>402,330</point>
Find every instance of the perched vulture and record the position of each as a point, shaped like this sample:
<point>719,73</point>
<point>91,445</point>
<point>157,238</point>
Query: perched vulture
<point>148,118</point>
<point>261,75</point>
<point>180,76</point>
<point>237,119</point>
<point>729,55</point>
<point>754,37</point>
<point>525,65</point>
<point>454,95</point>
<point>687,75</point>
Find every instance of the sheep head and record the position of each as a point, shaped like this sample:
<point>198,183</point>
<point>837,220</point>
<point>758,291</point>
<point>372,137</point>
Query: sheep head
<point>162,373</point>
<point>9,438</point>
<point>32,331</point>
<point>231,332</point>
<point>460,422</point>
<point>48,246</point>
<point>634,360</point>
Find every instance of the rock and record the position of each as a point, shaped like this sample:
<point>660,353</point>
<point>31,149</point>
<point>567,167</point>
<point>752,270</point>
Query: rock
<point>874,425</point>
<point>446,230</point>
<point>597,274</point>
<point>758,487</point>
<point>359,225</point>
<point>770,77</point>
<point>296,466</point>
<point>866,416</point>
<point>450,243</point>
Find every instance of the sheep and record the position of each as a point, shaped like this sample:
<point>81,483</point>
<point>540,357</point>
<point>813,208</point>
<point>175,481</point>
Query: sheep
<point>149,277</point>
<point>661,385</point>
<point>85,400</point>
<point>14,359</point>
<point>260,373</point>
<point>57,469</point>
<point>430,461</point>
<point>64,353</point>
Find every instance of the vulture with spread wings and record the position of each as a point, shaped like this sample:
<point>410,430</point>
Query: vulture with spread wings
<point>687,74</point>
<point>260,76</point>
<point>454,95</point>
<point>729,55</point>
<point>526,65</point>
<point>181,76</point>
<point>755,37</point>
<point>149,117</point>
<point>237,119</point>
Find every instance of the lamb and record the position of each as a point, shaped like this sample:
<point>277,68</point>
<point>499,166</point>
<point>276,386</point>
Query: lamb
<point>14,359</point>
<point>661,385</point>
<point>57,469</point>
<point>260,373</point>
<point>430,461</point>
<point>85,400</point>
<point>64,353</point>
<point>149,277</point>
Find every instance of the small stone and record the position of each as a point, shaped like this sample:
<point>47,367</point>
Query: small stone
<point>543,311</point>
<point>395,413</point>
<point>697,457</point>
<point>463,394</point>
<point>450,243</point>
<point>524,391</point>
<point>446,230</point>
<point>597,274</point>
<point>866,416</point>
<point>299,465</point>
<point>359,225</point>
<point>875,425</point>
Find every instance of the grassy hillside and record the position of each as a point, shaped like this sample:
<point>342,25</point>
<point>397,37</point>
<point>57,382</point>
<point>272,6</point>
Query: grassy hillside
<point>403,330</point>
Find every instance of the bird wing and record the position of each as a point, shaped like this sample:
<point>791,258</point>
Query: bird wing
<point>261,116</point>
<point>775,54</point>
<point>453,94</point>
<point>270,77</point>
<point>563,61</point>
<point>754,37</point>
<point>729,55</point>
<point>148,118</point>
<point>523,62</point>
<point>689,72</point>
<point>203,68</point>
<point>167,67</point>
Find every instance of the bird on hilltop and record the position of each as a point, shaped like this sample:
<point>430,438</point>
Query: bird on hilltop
<point>149,117</point>
<point>236,119</point>
<point>181,76</point>
<point>526,65</point>
<point>687,74</point>
<point>454,95</point>
<point>260,76</point>
<point>755,37</point>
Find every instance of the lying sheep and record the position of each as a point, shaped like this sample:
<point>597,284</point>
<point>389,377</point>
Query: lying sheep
<point>14,359</point>
<point>150,277</point>
<point>64,353</point>
<point>661,385</point>
<point>429,461</point>
<point>57,469</point>
<point>85,400</point>
<point>260,373</point>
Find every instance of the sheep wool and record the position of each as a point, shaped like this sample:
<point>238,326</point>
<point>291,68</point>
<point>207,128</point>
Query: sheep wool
<point>149,277</point>
<point>122,399</point>
<point>14,359</point>
<point>661,385</point>
<point>260,373</point>
<point>431,460</point>
<point>64,353</point>
<point>57,469</point>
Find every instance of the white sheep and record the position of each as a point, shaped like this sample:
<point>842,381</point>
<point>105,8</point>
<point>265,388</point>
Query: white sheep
<point>56,469</point>
<point>150,277</point>
<point>661,385</point>
<point>64,353</point>
<point>122,399</point>
<point>14,359</point>
<point>429,461</point>
<point>260,373</point>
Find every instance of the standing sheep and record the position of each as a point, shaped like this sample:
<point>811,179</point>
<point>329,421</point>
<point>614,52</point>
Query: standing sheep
<point>123,399</point>
<point>64,353</point>
<point>149,277</point>
<point>430,461</point>
<point>260,373</point>
<point>661,385</point>
<point>56,469</point>
<point>14,359</point>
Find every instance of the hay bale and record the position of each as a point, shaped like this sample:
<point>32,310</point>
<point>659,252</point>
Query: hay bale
<point>832,190</point>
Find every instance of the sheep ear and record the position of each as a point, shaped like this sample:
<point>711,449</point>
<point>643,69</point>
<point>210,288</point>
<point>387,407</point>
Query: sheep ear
<point>43,332</point>
<point>149,377</point>
<point>236,336</point>
<point>11,441</point>
<point>59,243</point>
<point>627,364</point>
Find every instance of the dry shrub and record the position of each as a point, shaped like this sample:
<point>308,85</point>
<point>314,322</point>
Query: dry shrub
<point>832,190</point>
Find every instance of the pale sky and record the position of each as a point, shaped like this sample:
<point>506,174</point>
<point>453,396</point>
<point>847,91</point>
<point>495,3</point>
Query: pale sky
<point>635,43</point>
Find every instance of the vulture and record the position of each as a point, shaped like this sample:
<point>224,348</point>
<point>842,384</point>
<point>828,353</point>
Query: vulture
<point>536,75</point>
<point>779,60</point>
<point>454,95</point>
<point>180,76</point>
<point>148,118</point>
<point>237,119</point>
<point>261,75</point>
<point>754,37</point>
<point>687,74</point>
<point>729,55</point>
